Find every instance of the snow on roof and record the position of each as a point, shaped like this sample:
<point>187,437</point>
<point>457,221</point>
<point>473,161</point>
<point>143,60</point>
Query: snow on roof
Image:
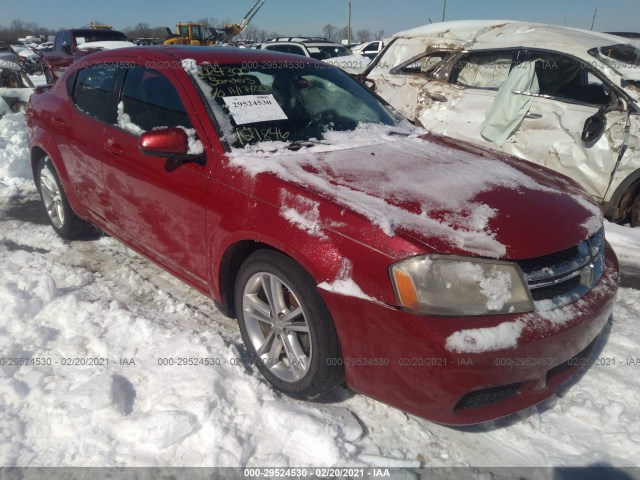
<point>510,33</point>
<point>106,45</point>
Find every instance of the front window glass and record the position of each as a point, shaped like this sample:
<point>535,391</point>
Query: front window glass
<point>92,90</point>
<point>196,32</point>
<point>296,102</point>
<point>426,64</point>
<point>149,100</point>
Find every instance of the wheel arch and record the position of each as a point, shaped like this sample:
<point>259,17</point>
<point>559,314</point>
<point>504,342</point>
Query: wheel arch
<point>619,206</point>
<point>45,147</point>
<point>238,251</point>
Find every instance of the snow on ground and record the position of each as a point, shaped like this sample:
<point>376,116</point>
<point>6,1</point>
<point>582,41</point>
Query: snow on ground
<point>96,301</point>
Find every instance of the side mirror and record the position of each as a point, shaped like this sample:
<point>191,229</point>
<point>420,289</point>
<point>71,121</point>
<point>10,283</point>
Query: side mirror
<point>169,143</point>
<point>66,48</point>
<point>370,84</point>
<point>164,142</point>
<point>594,127</point>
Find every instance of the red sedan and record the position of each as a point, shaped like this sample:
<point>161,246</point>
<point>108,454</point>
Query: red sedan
<point>445,279</point>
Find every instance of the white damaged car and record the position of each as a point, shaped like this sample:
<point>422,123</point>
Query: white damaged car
<point>565,98</point>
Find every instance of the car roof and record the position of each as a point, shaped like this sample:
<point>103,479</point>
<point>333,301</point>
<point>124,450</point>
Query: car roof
<point>481,34</point>
<point>201,54</point>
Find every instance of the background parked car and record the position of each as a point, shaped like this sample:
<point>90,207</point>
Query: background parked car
<point>569,98</point>
<point>321,49</point>
<point>349,245</point>
<point>71,44</point>
<point>369,49</point>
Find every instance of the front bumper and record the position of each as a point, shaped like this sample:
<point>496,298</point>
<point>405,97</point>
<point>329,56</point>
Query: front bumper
<point>402,359</point>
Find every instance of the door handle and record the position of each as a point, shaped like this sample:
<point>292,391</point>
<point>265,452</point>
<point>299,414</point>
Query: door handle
<point>112,147</point>
<point>533,116</point>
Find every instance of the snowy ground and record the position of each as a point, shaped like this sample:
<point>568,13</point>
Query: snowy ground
<point>95,299</point>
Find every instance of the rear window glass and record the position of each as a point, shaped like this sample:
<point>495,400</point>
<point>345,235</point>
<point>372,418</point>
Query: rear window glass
<point>92,90</point>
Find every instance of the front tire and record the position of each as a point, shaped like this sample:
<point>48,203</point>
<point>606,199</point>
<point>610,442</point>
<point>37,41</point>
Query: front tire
<point>61,217</point>
<point>286,326</point>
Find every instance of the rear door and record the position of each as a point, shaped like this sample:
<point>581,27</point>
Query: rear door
<point>456,106</point>
<point>80,130</point>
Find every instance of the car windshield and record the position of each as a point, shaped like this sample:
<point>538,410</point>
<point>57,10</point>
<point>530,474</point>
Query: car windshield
<point>285,101</point>
<point>621,57</point>
<point>323,52</point>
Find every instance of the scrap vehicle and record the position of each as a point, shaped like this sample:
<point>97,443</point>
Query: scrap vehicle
<point>568,99</point>
<point>449,280</point>
<point>72,44</point>
<point>30,61</point>
<point>195,33</point>
<point>15,84</point>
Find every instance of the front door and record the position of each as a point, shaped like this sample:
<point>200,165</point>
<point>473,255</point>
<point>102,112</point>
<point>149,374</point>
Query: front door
<point>157,204</point>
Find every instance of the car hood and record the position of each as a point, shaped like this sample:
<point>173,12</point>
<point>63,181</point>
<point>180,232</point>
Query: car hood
<point>443,196</point>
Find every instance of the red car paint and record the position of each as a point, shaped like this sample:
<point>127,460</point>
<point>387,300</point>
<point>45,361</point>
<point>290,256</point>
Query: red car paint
<point>199,219</point>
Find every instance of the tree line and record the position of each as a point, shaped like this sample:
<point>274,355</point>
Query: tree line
<point>20,29</point>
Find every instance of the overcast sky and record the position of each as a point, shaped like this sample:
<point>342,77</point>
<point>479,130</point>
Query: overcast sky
<point>309,16</point>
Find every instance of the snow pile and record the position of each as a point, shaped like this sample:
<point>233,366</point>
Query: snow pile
<point>14,151</point>
<point>626,242</point>
<point>12,98</point>
<point>141,406</point>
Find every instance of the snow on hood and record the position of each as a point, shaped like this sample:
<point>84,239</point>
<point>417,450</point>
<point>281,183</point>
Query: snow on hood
<point>433,192</point>
<point>105,45</point>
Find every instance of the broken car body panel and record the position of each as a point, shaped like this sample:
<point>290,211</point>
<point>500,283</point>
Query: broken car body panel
<point>447,76</point>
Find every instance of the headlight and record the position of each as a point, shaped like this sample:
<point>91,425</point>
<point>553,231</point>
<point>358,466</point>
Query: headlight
<point>450,285</point>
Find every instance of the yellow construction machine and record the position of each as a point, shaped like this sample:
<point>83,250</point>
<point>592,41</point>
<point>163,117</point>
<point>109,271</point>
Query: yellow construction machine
<point>190,33</point>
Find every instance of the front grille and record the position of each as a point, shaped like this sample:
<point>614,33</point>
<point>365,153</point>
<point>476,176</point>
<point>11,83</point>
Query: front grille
<point>565,276</point>
<point>487,396</point>
<point>556,290</point>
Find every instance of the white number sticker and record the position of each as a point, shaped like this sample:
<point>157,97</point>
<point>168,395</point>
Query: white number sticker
<point>254,108</point>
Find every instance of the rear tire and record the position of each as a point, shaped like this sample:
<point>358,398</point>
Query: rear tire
<point>61,217</point>
<point>286,326</point>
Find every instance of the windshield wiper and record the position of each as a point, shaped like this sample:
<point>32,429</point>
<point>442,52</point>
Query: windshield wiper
<point>297,145</point>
